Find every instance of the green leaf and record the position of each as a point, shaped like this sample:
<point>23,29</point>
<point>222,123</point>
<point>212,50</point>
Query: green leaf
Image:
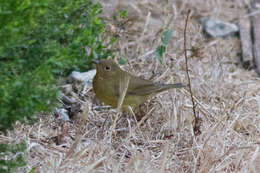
<point>166,37</point>
<point>123,14</point>
<point>9,165</point>
<point>96,21</point>
<point>159,52</point>
<point>95,55</point>
<point>122,61</point>
<point>32,170</point>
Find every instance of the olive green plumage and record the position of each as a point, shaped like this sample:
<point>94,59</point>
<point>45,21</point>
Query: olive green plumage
<point>110,76</point>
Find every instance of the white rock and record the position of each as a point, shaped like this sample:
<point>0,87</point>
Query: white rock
<point>62,114</point>
<point>84,77</point>
<point>218,28</point>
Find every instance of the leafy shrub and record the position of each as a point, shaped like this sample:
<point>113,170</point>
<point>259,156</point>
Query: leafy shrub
<point>16,161</point>
<point>40,41</point>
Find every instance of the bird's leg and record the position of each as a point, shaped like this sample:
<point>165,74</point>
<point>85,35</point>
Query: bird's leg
<point>130,110</point>
<point>123,86</point>
<point>115,122</point>
<point>137,124</point>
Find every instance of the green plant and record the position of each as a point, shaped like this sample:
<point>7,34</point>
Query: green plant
<point>123,14</point>
<point>160,50</point>
<point>39,42</point>
<point>13,161</point>
<point>122,61</point>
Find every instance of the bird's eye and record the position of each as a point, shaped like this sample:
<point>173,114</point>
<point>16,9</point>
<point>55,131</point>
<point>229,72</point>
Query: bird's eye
<point>107,68</point>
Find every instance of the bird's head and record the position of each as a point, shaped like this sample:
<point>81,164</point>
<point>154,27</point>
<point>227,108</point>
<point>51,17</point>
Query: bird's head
<point>107,68</point>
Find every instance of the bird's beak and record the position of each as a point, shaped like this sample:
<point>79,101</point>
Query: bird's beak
<point>94,61</point>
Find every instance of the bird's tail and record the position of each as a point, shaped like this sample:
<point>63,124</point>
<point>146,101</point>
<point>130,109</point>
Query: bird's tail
<point>176,85</point>
<point>157,88</point>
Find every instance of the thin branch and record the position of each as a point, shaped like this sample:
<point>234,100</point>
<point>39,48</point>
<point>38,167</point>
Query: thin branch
<point>196,128</point>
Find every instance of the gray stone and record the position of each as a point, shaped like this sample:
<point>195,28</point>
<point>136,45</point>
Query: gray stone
<point>62,114</point>
<point>84,77</point>
<point>218,28</point>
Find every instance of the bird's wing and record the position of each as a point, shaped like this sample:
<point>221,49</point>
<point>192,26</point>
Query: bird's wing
<point>142,87</point>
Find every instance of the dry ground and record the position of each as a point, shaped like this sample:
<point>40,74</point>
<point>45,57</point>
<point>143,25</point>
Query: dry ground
<point>227,99</point>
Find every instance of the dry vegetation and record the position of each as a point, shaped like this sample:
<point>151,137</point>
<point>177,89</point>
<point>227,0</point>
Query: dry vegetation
<point>227,99</point>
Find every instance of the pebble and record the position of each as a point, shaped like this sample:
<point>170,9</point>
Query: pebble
<point>217,28</point>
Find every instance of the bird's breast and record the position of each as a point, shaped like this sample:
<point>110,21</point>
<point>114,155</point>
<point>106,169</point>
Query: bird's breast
<point>105,91</point>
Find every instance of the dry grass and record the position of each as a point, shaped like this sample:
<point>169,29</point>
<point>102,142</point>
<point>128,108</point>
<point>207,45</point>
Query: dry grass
<point>227,98</point>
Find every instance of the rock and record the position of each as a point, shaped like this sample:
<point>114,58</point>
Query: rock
<point>66,89</point>
<point>62,114</point>
<point>85,77</point>
<point>67,100</point>
<point>217,28</point>
<point>256,34</point>
<point>246,43</point>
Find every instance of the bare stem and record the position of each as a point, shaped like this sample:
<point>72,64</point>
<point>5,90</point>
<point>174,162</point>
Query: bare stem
<point>196,128</point>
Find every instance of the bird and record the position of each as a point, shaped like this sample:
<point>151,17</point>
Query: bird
<point>109,78</point>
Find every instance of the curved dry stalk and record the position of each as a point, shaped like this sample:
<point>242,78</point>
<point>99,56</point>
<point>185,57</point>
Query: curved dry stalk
<point>196,127</point>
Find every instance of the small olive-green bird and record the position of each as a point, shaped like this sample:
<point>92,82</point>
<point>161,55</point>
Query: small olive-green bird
<point>109,79</point>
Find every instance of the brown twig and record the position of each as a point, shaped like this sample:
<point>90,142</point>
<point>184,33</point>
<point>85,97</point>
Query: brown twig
<point>196,128</point>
